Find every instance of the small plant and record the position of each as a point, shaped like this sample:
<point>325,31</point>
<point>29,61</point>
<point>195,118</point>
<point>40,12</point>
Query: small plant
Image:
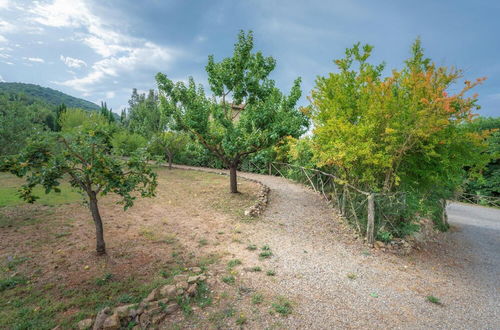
<point>126,299</point>
<point>433,300</point>
<point>15,261</point>
<point>352,276</point>
<point>229,312</point>
<point>228,279</point>
<point>282,306</point>
<point>62,234</point>
<point>256,269</point>
<point>103,280</point>
<point>252,247</point>
<point>202,296</point>
<point>242,319</point>
<point>203,242</point>
<point>266,248</point>
<point>265,255</point>
<point>170,239</point>
<point>233,263</point>
<point>11,282</point>
<point>384,236</point>
<point>374,295</point>
<point>271,272</point>
<point>257,299</point>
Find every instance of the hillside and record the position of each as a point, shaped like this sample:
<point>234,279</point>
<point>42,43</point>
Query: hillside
<point>46,95</point>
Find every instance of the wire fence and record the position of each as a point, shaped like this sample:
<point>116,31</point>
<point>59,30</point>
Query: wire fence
<point>479,199</point>
<point>368,212</point>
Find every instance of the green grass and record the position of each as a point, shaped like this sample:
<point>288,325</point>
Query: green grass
<point>433,300</point>
<point>252,247</point>
<point>282,306</point>
<point>257,299</point>
<point>9,195</point>
<point>271,272</point>
<point>233,263</point>
<point>228,279</point>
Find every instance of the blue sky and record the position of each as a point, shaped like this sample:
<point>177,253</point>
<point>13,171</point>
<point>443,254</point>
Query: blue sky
<point>100,50</point>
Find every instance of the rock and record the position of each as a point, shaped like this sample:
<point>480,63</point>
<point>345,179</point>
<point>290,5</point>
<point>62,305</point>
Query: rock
<point>172,307</point>
<point>85,324</point>
<point>101,317</point>
<point>123,311</point>
<point>144,320</point>
<point>379,244</point>
<point>168,291</point>
<point>158,318</point>
<point>191,290</point>
<point>193,279</point>
<point>112,323</point>
<point>182,285</point>
<point>153,295</point>
<point>201,278</point>
<point>180,291</point>
<point>196,270</point>
<point>180,278</point>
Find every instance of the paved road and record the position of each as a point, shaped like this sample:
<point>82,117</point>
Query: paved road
<point>479,227</point>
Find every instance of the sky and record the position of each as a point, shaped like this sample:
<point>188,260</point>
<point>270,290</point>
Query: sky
<point>100,50</point>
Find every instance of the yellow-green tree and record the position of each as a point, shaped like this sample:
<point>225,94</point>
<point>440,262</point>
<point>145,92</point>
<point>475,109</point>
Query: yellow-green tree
<point>404,132</point>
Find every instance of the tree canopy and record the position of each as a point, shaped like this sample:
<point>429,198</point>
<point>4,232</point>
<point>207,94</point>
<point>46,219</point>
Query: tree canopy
<point>246,112</point>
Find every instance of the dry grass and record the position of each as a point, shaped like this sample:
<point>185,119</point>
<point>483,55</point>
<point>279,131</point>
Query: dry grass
<point>51,248</point>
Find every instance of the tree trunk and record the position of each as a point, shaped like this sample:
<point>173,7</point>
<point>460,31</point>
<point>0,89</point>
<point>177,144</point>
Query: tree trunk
<point>99,233</point>
<point>232,178</point>
<point>170,158</point>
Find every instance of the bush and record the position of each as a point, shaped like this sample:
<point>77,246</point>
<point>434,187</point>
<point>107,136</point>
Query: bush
<point>124,143</point>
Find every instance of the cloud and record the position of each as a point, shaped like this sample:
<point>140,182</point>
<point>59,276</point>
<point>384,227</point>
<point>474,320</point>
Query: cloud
<point>110,95</point>
<point>1,79</point>
<point>73,62</point>
<point>34,59</point>
<point>120,53</point>
<point>4,4</point>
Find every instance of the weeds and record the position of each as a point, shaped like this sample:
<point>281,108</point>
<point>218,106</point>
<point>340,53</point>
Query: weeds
<point>434,300</point>
<point>271,272</point>
<point>257,299</point>
<point>282,306</point>
<point>229,279</point>
<point>233,263</point>
<point>252,247</point>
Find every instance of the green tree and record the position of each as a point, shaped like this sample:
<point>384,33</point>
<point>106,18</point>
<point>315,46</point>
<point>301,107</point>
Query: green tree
<point>170,143</point>
<point>247,113</point>
<point>404,132</point>
<point>125,143</point>
<point>144,116</point>
<point>59,111</point>
<point>84,157</point>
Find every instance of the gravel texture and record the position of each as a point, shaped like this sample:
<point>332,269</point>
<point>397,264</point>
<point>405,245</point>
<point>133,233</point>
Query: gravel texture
<point>314,252</point>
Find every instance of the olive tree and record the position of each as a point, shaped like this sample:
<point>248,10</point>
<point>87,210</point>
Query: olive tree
<point>84,158</point>
<point>246,112</point>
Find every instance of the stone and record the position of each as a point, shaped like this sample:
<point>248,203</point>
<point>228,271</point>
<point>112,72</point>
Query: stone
<point>101,317</point>
<point>180,278</point>
<point>193,279</point>
<point>172,307</point>
<point>202,278</point>
<point>182,285</point>
<point>85,324</point>
<point>196,270</point>
<point>112,323</point>
<point>191,290</point>
<point>158,318</point>
<point>144,320</point>
<point>379,244</point>
<point>168,291</point>
<point>123,311</point>
<point>180,291</point>
<point>153,295</point>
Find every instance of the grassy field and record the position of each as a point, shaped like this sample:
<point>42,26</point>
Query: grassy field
<point>50,275</point>
<point>10,185</point>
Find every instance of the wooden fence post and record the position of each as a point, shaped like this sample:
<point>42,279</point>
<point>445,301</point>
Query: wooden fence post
<point>370,226</point>
<point>270,171</point>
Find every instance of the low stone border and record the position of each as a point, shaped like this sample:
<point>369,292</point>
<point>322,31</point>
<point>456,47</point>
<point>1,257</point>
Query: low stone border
<point>152,310</point>
<point>262,198</point>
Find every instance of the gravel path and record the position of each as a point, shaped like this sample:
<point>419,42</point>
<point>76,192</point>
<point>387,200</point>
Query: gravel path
<point>313,256</point>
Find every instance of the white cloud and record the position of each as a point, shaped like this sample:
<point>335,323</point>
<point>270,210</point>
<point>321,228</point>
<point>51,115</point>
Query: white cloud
<point>2,39</point>
<point>120,53</point>
<point>110,95</point>
<point>4,4</point>
<point>1,79</point>
<point>34,59</point>
<point>73,62</point>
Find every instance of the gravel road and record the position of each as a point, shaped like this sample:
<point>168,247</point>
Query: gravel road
<point>313,257</point>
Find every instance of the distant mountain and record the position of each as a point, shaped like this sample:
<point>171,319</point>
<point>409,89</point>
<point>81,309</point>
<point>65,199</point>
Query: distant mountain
<point>46,95</point>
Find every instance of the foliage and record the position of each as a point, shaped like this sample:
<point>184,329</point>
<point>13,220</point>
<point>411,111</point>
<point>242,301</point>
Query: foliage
<point>400,133</point>
<point>168,144</point>
<point>48,96</point>
<point>125,143</point>
<point>247,113</point>
<point>74,119</point>
<point>488,183</point>
<point>20,118</point>
<point>144,116</point>
<point>85,157</point>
